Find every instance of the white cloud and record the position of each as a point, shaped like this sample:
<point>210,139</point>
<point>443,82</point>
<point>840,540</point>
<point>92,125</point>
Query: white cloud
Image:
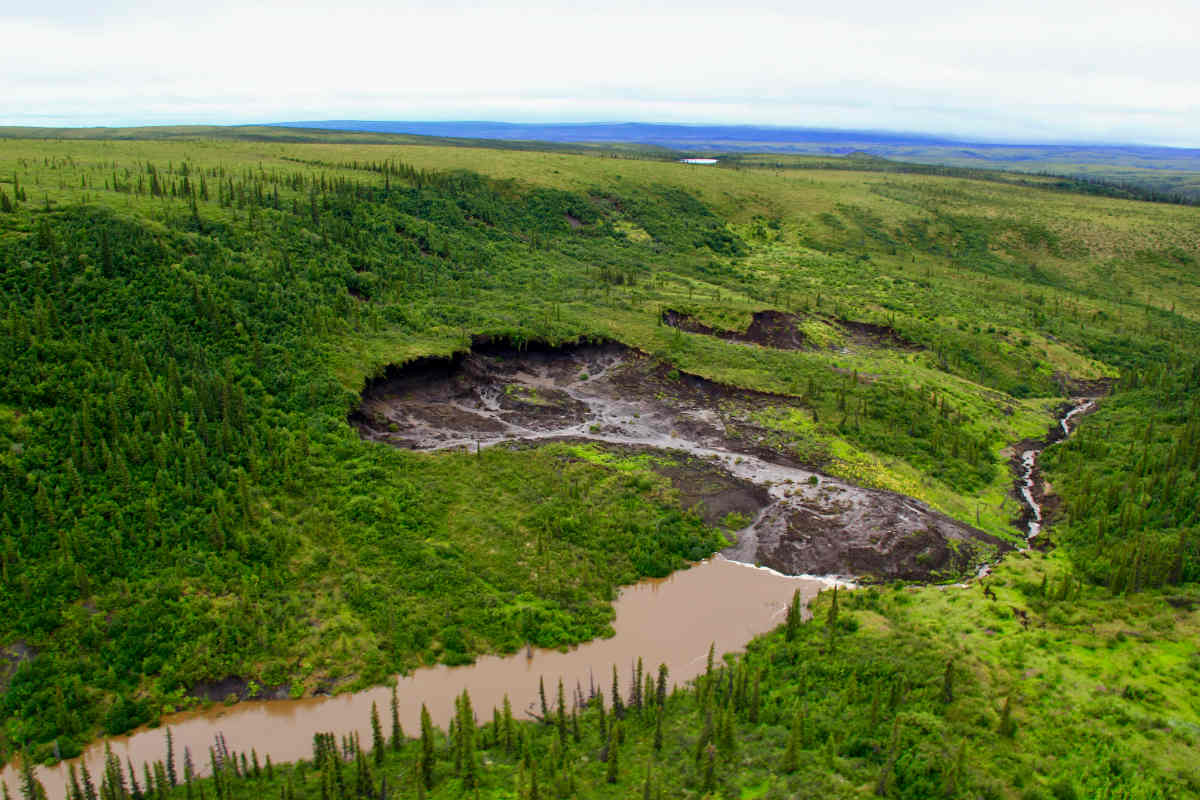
<point>1006,70</point>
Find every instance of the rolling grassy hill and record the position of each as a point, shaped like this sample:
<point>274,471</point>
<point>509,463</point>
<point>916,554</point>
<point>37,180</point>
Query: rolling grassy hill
<point>189,319</point>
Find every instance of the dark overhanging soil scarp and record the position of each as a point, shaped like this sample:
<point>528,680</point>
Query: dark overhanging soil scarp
<point>714,453</point>
<point>782,330</point>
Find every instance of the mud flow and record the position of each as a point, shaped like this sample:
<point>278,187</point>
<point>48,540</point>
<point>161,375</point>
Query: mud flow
<point>712,450</point>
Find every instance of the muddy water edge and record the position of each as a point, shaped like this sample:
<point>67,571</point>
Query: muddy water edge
<point>671,621</point>
<point>804,523</point>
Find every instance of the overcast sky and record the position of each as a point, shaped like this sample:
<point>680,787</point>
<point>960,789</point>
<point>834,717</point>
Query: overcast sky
<point>1051,70</point>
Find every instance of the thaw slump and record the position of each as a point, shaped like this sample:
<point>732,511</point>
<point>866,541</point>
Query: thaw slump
<point>805,523</point>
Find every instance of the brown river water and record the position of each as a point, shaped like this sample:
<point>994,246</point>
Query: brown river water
<point>672,621</point>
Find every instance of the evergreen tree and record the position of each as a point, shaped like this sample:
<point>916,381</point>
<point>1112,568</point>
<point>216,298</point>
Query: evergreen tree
<point>74,791</point>
<point>378,745</point>
<point>509,738</point>
<point>618,708</point>
<point>427,748</point>
<point>89,789</point>
<point>170,764</point>
<point>791,754</point>
<point>794,617</point>
<point>885,774</point>
<point>710,768</point>
<point>397,739</point>
<point>31,787</point>
<point>612,773</point>
<point>560,716</point>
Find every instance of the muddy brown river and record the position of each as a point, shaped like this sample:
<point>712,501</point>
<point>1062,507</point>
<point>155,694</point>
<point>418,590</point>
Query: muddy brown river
<point>706,438</point>
<point>672,621</point>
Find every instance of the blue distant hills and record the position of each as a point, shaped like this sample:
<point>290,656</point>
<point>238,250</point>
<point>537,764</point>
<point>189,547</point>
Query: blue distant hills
<point>768,139</point>
<point>663,135</point>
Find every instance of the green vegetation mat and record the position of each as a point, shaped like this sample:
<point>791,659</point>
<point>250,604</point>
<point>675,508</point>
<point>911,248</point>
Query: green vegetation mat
<point>187,323</point>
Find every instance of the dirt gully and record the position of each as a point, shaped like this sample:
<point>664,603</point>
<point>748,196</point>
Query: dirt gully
<point>804,523</point>
<point>1029,486</point>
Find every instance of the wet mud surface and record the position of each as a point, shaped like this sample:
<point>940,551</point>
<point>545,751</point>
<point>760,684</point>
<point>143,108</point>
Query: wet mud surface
<point>718,458</point>
<point>782,331</point>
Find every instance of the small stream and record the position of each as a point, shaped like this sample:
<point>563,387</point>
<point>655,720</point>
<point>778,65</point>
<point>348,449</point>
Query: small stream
<point>1029,468</point>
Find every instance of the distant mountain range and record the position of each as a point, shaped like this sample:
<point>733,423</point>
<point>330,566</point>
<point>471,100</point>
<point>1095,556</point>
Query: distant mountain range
<point>1165,172</point>
<point>766,139</point>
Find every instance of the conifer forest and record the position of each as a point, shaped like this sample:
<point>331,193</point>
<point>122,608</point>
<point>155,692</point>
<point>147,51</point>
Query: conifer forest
<point>287,414</point>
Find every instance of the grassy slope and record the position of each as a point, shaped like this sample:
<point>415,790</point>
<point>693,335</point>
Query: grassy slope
<point>1030,283</point>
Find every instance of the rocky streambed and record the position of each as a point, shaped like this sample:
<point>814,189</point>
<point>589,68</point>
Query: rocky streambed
<point>721,460</point>
<point>1030,486</point>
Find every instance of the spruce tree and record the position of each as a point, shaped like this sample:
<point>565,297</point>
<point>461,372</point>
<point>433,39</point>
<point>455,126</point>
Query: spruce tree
<point>612,774</point>
<point>89,788</point>
<point>427,748</point>
<point>378,745</point>
<point>792,626</point>
<point>397,739</point>
<point>135,790</point>
<point>31,787</point>
<point>74,792</point>
<point>618,708</point>
<point>706,736</point>
<point>710,767</point>
<point>795,743</point>
<point>172,778</point>
<point>508,725</point>
<point>885,774</point>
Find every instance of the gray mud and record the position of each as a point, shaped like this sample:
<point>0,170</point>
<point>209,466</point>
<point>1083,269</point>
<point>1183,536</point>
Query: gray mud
<point>804,523</point>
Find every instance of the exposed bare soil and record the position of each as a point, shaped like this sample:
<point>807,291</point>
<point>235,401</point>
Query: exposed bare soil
<point>1039,506</point>
<point>719,459</point>
<point>781,330</point>
<point>239,688</point>
<point>767,328</point>
<point>865,334</point>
